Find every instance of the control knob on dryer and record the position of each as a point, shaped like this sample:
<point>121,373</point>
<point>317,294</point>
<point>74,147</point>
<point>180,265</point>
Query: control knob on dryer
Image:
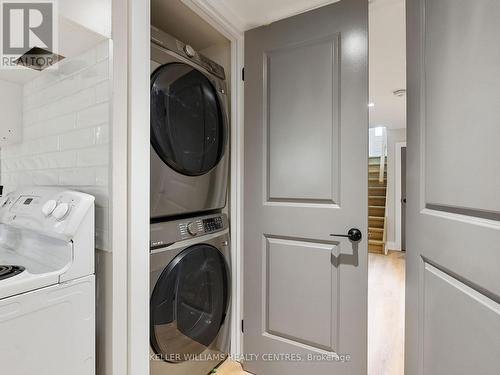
<point>191,228</point>
<point>189,50</point>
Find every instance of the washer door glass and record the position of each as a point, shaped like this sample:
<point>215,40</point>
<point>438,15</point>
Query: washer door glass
<point>187,123</point>
<point>188,304</point>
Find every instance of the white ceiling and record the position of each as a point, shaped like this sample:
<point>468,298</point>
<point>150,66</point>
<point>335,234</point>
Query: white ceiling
<point>387,63</point>
<point>387,45</point>
<point>247,14</point>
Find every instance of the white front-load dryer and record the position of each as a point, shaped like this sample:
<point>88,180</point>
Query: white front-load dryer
<point>189,130</point>
<point>190,288</point>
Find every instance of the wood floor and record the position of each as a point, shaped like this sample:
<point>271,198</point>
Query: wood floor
<point>386,299</point>
<point>230,368</point>
<point>386,295</point>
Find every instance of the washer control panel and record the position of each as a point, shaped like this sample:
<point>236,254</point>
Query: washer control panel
<point>164,234</point>
<point>201,226</point>
<point>190,228</point>
<point>213,224</point>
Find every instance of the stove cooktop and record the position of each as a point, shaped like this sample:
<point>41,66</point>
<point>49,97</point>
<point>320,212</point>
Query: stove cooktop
<point>9,271</point>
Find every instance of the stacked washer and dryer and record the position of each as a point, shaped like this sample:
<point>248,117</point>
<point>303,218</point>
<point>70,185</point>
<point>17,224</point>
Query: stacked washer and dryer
<point>190,255</point>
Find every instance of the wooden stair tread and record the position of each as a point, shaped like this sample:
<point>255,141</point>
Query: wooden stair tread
<point>375,234</point>
<point>375,218</point>
<point>379,191</point>
<point>375,182</point>
<point>376,247</point>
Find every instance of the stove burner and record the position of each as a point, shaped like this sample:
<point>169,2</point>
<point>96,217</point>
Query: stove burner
<point>9,271</point>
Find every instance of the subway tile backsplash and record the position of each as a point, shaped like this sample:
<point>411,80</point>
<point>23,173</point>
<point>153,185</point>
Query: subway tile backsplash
<point>66,125</point>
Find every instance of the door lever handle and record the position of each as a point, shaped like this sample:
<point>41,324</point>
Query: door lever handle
<point>353,234</point>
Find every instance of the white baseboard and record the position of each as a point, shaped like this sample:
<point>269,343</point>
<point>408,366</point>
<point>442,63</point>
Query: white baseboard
<point>391,245</point>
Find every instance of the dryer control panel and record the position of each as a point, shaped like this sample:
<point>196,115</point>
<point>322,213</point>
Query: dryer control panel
<point>160,38</point>
<point>166,233</point>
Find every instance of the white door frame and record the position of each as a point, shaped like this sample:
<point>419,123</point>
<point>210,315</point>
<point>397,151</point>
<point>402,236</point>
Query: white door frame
<point>234,33</point>
<point>115,320</point>
<point>138,186</point>
<point>397,200</point>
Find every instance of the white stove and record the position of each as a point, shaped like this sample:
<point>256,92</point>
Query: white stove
<point>47,285</point>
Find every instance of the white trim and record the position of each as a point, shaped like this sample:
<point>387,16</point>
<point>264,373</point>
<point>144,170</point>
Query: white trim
<point>232,32</point>
<point>237,140</point>
<point>138,193</point>
<point>397,198</point>
<point>118,200</point>
<point>390,245</point>
<point>218,16</point>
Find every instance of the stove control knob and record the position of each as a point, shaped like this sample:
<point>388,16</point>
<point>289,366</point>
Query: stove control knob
<point>48,207</point>
<point>189,50</point>
<point>191,227</point>
<point>61,211</point>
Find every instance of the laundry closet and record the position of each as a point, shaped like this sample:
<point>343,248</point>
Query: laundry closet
<point>190,261</point>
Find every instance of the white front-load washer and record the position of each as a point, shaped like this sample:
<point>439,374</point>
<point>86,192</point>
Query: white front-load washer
<point>190,286</point>
<point>47,286</point>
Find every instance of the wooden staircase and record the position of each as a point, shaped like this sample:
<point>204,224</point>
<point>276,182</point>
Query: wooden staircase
<point>376,206</point>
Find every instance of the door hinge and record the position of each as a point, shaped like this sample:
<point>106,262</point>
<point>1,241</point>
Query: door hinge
<point>242,74</point>
<point>242,326</point>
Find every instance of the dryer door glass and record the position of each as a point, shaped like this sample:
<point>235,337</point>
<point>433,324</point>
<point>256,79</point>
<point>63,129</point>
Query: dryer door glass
<point>189,303</point>
<point>188,130</point>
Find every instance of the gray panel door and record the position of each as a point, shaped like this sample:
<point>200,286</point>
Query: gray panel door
<point>453,169</point>
<point>306,150</point>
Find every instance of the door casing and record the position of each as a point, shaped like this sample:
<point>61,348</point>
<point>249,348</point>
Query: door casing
<point>397,204</point>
